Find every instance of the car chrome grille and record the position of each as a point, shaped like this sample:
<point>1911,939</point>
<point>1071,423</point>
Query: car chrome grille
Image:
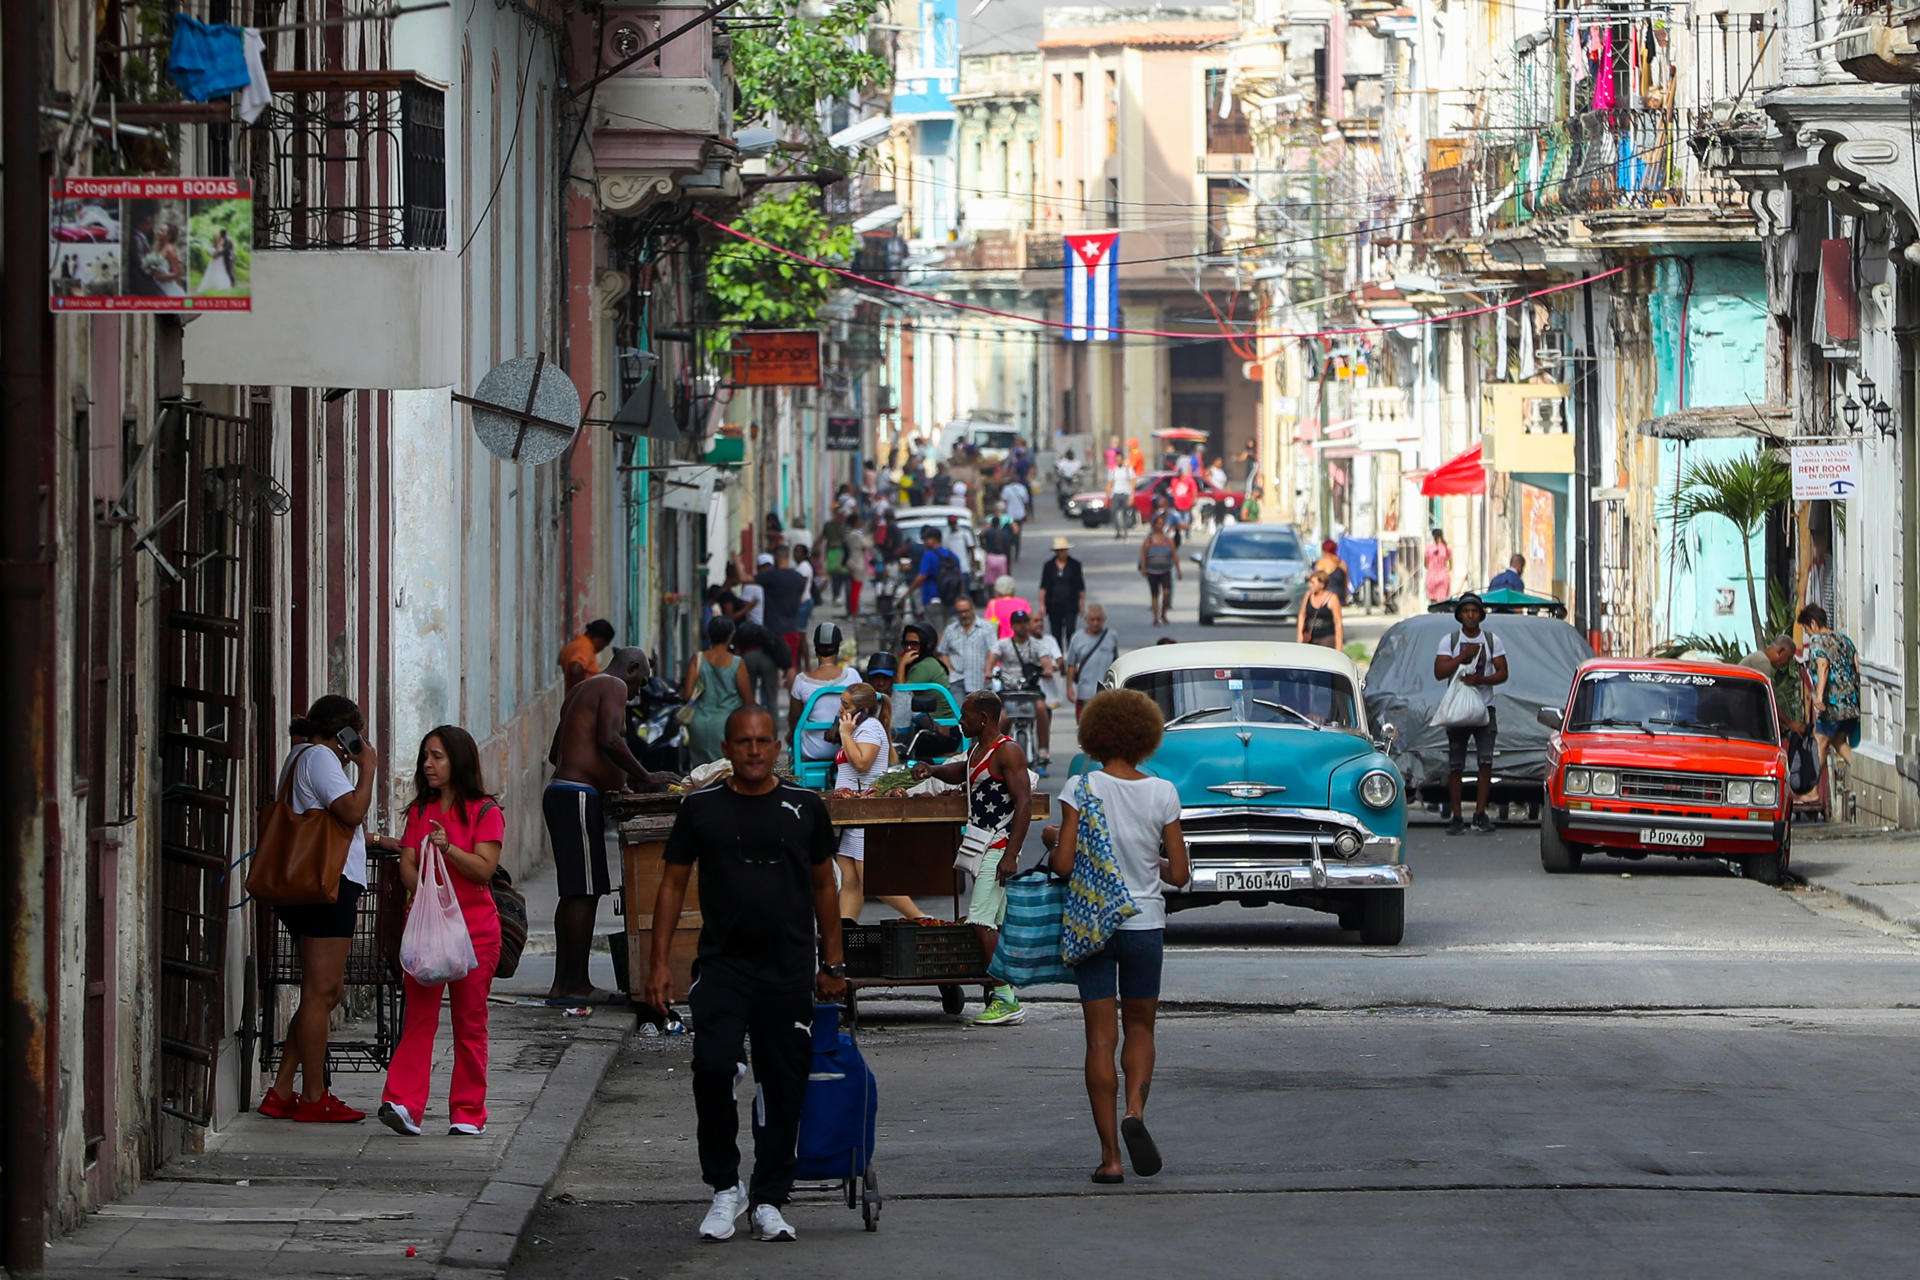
<point>1693,787</point>
<point>1241,827</point>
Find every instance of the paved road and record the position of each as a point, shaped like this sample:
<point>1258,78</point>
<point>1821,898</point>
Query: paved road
<point>1644,1069</point>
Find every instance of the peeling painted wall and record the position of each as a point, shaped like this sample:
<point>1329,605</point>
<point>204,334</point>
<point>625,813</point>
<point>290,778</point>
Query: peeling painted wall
<point>1703,587</point>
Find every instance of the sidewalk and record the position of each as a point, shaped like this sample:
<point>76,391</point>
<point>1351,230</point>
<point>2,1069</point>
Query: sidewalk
<point>270,1198</point>
<point>1877,871</point>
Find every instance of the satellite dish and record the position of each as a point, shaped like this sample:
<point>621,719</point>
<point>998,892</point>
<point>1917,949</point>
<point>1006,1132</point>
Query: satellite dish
<point>525,410</point>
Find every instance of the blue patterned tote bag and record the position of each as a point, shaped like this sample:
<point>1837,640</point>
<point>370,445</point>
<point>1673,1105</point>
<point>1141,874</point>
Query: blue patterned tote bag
<point>1097,897</point>
<point>1028,953</point>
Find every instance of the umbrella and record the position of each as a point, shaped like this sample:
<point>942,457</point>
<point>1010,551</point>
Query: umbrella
<point>1186,435</point>
<point>1461,474</point>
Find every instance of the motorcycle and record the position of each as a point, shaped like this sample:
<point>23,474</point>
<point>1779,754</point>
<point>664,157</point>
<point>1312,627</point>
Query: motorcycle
<point>893,596</point>
<point>1021,707</point>
<point>1066,480</point>
<point>654,733</point>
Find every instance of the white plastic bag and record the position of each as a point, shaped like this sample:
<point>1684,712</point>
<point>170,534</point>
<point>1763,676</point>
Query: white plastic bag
<point>435,947</point>
<point>1461,706</point>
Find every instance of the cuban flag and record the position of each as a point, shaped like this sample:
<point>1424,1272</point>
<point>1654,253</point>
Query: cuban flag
<point>1093,286</point>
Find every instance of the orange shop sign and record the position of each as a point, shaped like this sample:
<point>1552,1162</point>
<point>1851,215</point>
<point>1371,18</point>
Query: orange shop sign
<point>777,358</point>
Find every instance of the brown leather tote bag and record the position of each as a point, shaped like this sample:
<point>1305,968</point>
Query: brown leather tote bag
<point>298,857</point>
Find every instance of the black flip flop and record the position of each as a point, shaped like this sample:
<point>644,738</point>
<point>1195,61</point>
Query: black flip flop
<point>1109,1179</point>
<point>1141,1153</point>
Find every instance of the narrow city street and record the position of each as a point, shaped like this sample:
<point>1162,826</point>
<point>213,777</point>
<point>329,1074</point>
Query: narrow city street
<point>1649,1068</point>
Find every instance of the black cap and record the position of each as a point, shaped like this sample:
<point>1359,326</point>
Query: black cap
<point>1018,615</point>
<point>883,664</point>
<point>1460,605</point>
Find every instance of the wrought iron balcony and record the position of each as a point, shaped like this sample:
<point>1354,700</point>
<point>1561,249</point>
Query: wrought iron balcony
<point>358,160</point>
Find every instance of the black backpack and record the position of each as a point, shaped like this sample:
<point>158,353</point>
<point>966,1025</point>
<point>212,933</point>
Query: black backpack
<point>949,580</point>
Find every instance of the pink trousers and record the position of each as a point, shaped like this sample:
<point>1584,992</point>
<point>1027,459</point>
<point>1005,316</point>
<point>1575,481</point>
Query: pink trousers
<point>409,1074</point>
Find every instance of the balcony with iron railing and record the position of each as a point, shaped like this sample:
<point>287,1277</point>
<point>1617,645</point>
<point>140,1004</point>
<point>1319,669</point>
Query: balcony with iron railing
<point>355,160</point>
<point>353,277</point>
<point>1611,148</point>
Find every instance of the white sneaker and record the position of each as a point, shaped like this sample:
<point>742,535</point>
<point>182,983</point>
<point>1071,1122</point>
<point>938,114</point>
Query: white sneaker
<point>461,1129</point>
<point>728,1205</point>
<point>395,1117</point>
<point>769,1225</point>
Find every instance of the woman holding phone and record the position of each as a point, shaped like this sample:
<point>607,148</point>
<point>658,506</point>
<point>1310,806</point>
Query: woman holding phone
<point>451,812</point>
<point>863,757</point>
<point>325,740</point>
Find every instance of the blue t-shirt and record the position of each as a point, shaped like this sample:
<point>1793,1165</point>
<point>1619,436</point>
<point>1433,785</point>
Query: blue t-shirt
<point>1507,580</point>
<point>930,570</point>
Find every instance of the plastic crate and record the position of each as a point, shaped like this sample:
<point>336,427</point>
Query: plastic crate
<point>865,949</point>
<point>933,951</point>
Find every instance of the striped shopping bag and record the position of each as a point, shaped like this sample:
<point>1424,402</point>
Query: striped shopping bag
<point>1028,953</point>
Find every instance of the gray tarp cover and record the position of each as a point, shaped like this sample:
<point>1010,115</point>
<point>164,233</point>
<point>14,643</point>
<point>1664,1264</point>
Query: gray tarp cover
<point>1542,655</point>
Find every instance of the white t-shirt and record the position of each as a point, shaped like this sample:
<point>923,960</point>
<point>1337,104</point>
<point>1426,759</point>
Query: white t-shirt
<point>805,570</point>
<point>1012,654</point>
<point>853,840</point>
<point>1120,479</point>
<point>1490,649</point>
<point>756,596</point>
<point>1138,810</point>
<point>813,743</point>
<point>318,781</point>
<point>1017,498</point>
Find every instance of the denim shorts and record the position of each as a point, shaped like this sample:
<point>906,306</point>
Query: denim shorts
<point>1128,966</point>
<point>1481,737</point>
<point>1847,730</point>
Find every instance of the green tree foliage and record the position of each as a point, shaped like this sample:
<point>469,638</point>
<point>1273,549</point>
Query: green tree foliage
<point>1742,491</point>
<point>753,287</point>
<point>788,70</point>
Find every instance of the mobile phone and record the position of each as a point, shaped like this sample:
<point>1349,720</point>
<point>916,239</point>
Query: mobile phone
<point>349,740</point>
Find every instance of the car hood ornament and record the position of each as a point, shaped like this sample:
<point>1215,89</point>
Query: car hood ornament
<point>1248,790</point>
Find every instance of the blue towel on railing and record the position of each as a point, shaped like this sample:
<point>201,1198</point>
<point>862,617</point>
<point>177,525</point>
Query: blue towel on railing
<point>1363,560</point>
<point>207,60</point>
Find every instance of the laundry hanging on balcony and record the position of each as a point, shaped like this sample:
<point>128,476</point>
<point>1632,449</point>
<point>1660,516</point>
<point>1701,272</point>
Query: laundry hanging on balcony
<point>216,60</point>
<point>1460,475</point>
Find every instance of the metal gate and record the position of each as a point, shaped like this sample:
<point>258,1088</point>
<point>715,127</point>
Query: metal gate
<point>1613,593</point>
<point>214,483</point>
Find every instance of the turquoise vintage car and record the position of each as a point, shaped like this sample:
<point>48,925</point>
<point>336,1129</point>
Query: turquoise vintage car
<point>1286,796</point>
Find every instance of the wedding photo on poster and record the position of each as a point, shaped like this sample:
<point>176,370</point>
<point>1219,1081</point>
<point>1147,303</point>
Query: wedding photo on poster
<point>151,244</point>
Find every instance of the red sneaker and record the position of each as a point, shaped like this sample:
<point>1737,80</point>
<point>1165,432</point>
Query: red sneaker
<point>275,1107</point>
<point>328,1110</point>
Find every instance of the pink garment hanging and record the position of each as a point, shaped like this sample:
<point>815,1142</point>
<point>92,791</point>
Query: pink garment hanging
<point>1603,77</point>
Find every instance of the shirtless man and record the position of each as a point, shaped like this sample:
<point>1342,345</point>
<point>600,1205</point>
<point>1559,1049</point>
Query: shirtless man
<point>590,758</point>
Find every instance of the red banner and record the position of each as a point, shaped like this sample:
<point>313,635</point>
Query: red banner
<point>776,358</point>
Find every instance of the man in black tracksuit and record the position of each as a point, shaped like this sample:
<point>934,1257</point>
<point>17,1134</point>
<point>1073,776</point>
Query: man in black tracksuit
<point>765,852</point>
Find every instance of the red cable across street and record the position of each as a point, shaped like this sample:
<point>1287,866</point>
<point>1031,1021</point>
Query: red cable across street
<point>1223,335</point>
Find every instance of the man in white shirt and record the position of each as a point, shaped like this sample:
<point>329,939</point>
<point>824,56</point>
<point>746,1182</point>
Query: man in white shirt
<point>968,644</point>
<point>1029,648</point>
<point>1482,661</point>
<point>753,593</point>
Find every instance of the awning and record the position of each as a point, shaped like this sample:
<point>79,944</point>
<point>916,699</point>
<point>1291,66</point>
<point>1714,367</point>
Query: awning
<point>1462,474</point>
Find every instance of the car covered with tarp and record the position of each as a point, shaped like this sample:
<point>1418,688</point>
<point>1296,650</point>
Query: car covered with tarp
<point>1543,653</point>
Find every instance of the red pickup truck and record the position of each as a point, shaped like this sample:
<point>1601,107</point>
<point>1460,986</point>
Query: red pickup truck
<point>1681,759</point>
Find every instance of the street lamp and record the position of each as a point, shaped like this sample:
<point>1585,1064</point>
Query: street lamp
<point>1850,410</point>
<point>1883,418</point>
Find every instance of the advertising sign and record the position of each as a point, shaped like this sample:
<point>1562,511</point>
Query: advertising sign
<point>150,244</point>
<point>777,358</point>
<point>843,434</point>
<point>1537,535</point>
<point>1825,471</point>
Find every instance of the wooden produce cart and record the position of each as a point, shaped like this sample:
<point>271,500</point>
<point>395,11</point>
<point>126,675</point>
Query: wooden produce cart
<point>645,822</point>
<point>911,841</point>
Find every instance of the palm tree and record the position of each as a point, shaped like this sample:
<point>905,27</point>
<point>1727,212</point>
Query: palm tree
<point>1743,491</point>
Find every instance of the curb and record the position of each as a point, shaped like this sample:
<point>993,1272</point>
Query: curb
<point>490,1229</point>
<point>1865,901</point>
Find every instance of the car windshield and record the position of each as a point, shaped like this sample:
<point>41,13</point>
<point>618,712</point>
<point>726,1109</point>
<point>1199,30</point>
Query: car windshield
<point>1251,695</point>
<point>1260,544</point>
<point>996,439</point>
<point>1695,702</point>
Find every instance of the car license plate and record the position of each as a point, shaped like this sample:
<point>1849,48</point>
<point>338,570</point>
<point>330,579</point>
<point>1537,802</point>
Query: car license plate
<point>1663,837</point>
<point>1252,881</point>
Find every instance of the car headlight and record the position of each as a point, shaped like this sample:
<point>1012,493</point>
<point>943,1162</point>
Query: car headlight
<point>1605,783</point>
<point>1379,788</point>
<point>1766,794</point>
<point>1578,782</point>
<point>1740,793</point>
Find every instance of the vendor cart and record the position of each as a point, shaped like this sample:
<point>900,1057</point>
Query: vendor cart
<point>911,841</point>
